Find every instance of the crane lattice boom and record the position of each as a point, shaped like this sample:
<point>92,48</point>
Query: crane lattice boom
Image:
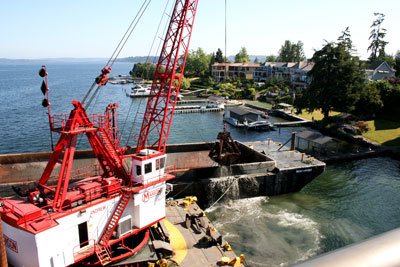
<point>168,77</point>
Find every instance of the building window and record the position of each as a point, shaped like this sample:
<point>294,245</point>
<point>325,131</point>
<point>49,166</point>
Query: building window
<point>138,170</point>
<point>157,164</point>
<point>162,162</point>
<point>148,167</point>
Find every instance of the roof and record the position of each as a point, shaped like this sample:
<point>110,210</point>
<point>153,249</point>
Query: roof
<point>315,137</point>
<point>376,64</point>
<point>285,105</point>
<point>251,65</point>
<point>240,110</point>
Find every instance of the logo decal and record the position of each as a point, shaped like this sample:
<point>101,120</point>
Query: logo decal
<point>150,194</point>
<point>11,244</point>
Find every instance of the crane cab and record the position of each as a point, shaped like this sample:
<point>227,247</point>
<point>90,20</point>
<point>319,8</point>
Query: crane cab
<point>148,166</point>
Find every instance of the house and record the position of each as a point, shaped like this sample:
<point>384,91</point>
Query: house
<point>233,70</point>
<point>293,72</point>
<point>379,70</point>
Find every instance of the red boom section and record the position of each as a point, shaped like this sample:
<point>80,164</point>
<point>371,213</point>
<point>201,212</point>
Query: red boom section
<point>167,78</point>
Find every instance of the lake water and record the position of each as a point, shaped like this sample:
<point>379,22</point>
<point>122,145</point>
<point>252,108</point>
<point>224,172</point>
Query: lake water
<point>346,204</point>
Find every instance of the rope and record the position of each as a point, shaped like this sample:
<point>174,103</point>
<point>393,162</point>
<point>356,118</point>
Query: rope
<point>229,187</point>
<point>130,30</point>
<point>126,39</point>
<point>186,187</point>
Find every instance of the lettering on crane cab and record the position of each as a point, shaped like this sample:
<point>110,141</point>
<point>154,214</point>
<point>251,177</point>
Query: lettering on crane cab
<point>10,243</point>
<point>150,194</point>
<point>96,210</point>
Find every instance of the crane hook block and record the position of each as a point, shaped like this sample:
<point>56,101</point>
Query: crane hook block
<point>102,79</point>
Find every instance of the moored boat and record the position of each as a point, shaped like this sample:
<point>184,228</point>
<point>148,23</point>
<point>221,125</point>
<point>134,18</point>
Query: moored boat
<point>139,90</point>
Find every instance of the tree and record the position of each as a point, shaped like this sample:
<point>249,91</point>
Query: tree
<point>337,79</point>
<point>377,46</point>
<point>256,61</point>
<point>197,63</point>
<point>219,56</point>
<point>291,52</point>
<point>271,58</point>
<point>242,56</point>
<point>345,40</point>
<point>397,63</point>
<point>143,70</point>
<point>370,102</point>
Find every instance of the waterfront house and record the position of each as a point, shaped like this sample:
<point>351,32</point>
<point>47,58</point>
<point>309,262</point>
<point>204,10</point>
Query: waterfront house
<point>293,72</point>
<point>379,70</point>
<point>233,70</point>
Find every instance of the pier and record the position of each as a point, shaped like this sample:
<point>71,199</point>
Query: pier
<point>196,110</point>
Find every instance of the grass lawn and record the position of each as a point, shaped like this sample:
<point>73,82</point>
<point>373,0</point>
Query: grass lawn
<point>316,114</point>
<point>384,132</point>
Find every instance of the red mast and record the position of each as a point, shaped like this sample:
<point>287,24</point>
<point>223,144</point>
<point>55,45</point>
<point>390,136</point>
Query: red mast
<point>167,78</point>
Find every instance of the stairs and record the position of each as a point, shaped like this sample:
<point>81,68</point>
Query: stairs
<point>102,248</point>
<point>111,150</point>
<point>103,254</point>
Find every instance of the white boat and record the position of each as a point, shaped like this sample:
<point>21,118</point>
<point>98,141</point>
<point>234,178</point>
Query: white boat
<point>139,90</point>
<point>260,125</point>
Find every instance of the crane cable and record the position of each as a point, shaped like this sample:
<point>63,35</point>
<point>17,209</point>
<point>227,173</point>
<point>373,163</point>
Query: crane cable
<point>147,76</point>
<point>102,79</point>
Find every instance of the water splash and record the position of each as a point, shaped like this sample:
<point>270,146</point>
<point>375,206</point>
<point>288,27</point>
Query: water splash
<point>269,236</point>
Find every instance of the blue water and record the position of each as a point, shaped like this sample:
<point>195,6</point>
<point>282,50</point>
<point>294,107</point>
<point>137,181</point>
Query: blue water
<point>25,125</point>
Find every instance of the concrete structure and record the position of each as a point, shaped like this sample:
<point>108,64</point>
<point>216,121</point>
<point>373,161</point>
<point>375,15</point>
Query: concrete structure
<point>379,70</point>
<point>233,70</point>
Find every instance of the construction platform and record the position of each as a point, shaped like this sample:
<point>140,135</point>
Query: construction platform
<point>192,240</point>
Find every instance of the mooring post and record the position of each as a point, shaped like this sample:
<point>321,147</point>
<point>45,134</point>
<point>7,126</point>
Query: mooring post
<point>3,255</point>
<point>292,145</point>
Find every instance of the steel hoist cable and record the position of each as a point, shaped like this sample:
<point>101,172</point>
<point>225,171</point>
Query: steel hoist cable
<point>147,77</point>
<point>102,79</point>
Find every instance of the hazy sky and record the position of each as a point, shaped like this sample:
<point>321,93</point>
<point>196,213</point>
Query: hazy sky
<point>92,28</point>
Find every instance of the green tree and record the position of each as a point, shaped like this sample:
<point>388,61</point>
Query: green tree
<point>219,56</point>
<point>291,52</point>
<point>271,58</point>
<point>370,102</point>
<point>242,56</point>
<point>377,46</point>
<point>345,40</point>
<point>197,64</point>
<point>337,79</point>
<point>390,95</point>
<point>397,63</point>
<point>185,84</point>
<point>256,61</point>
<point>143,70</point>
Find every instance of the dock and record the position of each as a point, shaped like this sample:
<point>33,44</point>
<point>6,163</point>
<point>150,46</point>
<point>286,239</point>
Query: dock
<point>292,123</point>
<point>199,245</point>
<point>196,110</point>
<point>197,101</point>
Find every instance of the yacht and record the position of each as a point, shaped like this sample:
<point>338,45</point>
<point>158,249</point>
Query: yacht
<point>139,90</point>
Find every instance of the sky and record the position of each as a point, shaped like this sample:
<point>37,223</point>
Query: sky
<point>93,28</point>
